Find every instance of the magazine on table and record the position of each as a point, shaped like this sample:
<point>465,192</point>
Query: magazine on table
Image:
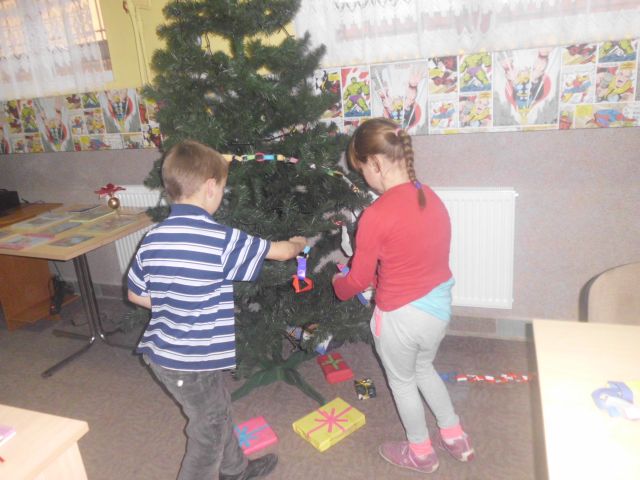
<point>71,241</point>
<point>109,224</point>
<point>132,210</point>
<point>35,223</point>
<point>93,214</point>
<point>56,229</point>
<point>81,208</point>
<point>56,215</point>
<point>22,242</point>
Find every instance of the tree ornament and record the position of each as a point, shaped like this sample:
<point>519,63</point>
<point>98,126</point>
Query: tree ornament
<point>109,190</point>
<point>302,283</point>
<point>113,203</point>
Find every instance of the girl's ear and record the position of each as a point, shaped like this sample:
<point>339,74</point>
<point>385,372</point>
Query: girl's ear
<point>376,163</point>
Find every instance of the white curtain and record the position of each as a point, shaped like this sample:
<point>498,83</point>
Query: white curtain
<point>50,47</point>
<point>374,31</point>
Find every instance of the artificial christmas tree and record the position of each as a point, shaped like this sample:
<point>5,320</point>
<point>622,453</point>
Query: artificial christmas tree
<point>256,98</point>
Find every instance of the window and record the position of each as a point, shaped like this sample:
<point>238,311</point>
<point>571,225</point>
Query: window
<point>376,31</point>
<point>50,47</point>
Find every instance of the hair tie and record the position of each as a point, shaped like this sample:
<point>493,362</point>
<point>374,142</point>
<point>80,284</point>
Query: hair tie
<point>417,184</point>
<point>398,130</point>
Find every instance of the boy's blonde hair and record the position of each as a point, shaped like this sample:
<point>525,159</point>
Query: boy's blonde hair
<point>187,165</point>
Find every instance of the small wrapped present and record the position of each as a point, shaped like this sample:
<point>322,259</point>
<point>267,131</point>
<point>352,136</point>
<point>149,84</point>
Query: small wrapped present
<point>365,388</point>
<point>329,424</point>
<point>254,435</point>
<point>334,367</point>
<point>300,337</point>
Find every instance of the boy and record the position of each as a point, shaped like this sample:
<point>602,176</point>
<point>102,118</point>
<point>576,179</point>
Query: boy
<point>184,272</point>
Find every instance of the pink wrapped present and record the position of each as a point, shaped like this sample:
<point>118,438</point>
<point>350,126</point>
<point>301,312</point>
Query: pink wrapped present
<point>254,435</point>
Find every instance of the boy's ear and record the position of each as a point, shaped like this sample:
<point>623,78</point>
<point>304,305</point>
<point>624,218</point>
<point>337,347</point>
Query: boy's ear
<point>211,185</point>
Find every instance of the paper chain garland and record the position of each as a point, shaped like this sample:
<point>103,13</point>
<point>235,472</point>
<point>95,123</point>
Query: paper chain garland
<point>453,377</point>
<point>274,157</point>
<point>259,157</point>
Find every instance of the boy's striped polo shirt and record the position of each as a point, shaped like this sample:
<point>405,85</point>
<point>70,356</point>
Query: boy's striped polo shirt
<point>188,264</point>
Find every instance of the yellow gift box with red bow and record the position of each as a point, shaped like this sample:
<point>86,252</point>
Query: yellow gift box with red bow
<point>329,424</point>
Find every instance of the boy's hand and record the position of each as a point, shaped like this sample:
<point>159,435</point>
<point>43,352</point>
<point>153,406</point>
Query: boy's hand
<point>286,249</point>
<point>138,300</point>
<point>300,242</point>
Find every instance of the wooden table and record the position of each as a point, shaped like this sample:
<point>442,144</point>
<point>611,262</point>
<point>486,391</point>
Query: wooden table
<point>25,293</point>
<point>574,359</point>
<point>77,253</point>
<point>45,447</point>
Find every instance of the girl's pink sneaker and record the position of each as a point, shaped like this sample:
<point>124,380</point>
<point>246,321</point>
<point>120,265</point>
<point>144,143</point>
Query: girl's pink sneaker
<point>459,447</point>
<point>401,455</point>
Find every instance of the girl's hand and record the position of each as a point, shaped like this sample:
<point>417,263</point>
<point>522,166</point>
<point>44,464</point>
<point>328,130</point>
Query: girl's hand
<point>337,275</point>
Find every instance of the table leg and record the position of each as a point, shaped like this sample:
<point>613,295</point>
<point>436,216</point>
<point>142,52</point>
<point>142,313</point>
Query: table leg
<point>84,278</point>
<point>90,305</point>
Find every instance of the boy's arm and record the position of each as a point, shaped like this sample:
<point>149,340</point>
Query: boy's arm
<point>286,249</point>
<point>138,300</point>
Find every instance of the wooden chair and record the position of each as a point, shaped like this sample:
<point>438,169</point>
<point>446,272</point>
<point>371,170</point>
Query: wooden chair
<point>614,296</point>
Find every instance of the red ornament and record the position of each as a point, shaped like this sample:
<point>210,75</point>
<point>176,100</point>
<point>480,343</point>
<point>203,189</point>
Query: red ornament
<point>302,284</point>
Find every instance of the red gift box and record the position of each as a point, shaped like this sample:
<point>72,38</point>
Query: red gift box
<point>334,367</point>
<point>254,435</point>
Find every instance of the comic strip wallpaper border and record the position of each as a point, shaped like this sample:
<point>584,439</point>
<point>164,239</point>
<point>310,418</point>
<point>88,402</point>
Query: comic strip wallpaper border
<point>592,85</point>
<point>114,119</point>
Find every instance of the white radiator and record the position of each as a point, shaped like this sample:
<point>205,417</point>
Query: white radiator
<point>135,196</point>
<point>482,227</point>
<point>482,231</point>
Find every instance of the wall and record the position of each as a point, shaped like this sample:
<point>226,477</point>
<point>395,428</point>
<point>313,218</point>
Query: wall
<point>125,49</point>
<point>130,48</point>
<point>576,213</point>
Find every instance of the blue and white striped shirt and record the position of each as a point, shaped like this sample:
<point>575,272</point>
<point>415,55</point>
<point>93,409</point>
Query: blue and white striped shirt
<point>187,265</point>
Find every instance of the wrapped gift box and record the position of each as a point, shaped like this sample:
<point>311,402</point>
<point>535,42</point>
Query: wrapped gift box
<point>300,335</point>
<point>329,424</point>
<point>334,367</point>
<point>254,435</point>
<point>365,388</point>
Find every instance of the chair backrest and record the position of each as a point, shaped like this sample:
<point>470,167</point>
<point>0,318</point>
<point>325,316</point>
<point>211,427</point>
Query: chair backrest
<point>614,296</point>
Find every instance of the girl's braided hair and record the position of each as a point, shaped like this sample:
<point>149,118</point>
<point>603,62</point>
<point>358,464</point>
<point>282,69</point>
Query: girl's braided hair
<point>382,136</point>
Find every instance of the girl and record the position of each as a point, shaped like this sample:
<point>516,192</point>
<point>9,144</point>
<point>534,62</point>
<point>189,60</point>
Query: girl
<point>402,243</point>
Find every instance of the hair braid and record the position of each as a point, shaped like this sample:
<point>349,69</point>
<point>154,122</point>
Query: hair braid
<point>407,150</point>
